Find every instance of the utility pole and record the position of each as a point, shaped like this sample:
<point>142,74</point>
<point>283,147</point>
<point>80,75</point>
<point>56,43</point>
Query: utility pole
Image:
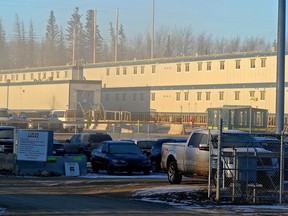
<point>94,39</point>
<point>280,78</point>
<point>116,36</point>
<point>152,36</point>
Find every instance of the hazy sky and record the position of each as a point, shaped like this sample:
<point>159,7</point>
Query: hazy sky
<point>227,18</point>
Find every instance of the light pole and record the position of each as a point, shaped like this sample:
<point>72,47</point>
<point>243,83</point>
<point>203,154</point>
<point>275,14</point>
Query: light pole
<point>7,96</point>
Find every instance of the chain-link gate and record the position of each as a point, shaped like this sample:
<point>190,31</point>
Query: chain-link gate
<point>250,170</point>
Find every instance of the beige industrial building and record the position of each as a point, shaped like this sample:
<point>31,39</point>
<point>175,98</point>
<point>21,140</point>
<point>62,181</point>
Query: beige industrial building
<point>173,86</point>
<point>188,84</point>
<point>48,89</point>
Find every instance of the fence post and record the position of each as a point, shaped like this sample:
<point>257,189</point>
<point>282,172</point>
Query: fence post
<point>138,126</point>
<point>209,142</point>
<point>219,161</point>
<point>281,179</point>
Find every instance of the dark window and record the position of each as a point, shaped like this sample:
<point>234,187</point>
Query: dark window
<point>195,140</point>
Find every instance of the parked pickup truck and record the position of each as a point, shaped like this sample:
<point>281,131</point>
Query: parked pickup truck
<point>192,157</point>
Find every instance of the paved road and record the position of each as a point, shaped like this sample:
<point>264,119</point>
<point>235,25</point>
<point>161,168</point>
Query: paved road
<point>76,196</point>
<point>102,196</point>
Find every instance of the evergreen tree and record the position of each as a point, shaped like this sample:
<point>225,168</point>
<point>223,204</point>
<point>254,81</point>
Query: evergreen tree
<point>61,50</point>
<point>52,39</point>
<point>122,44</point>
<point>31,46</point>
<point>89,38</point>
<point>113,42</point>
<point>18,44</point>
<point>76,37</point>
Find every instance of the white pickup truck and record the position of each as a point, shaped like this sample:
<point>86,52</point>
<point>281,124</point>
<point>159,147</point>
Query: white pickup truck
<point>192,158</point>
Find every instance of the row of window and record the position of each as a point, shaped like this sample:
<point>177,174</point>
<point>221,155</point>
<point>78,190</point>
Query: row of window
<point>32,76</point>
<point>199,96</point>
<point>200,67</point>
<point>135,70</point>
<point>123,97</point>
<point>220,96</point>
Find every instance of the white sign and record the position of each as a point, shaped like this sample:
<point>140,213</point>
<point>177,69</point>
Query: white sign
<point>32,145</point>
<point>72,169</point>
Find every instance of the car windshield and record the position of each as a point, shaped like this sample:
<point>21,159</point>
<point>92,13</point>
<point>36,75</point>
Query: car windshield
<point>146,144</point>
<point>124,149</point>
<point>59,113</point>
<point>236,140</point>
<point>7,134</point>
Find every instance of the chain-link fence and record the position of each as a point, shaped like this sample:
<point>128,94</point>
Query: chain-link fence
<point>253,168</point>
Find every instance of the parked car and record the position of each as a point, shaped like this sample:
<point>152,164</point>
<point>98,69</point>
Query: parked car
<point>145,145</point>
<point>37,120</point>
<point>72,120</point>
<point>119,156</point>
<point>155,154</point>
<point>7,139</point>
<point>84,143</point>
<point>58,148</point>
<point>273,144</point>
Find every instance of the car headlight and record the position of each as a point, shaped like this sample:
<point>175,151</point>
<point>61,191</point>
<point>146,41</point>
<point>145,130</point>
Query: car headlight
<point>30,125</point>
<point>115,161</point>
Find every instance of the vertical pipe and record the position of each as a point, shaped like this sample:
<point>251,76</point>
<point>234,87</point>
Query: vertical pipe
<point>219,161</point>
<point>280,79</point>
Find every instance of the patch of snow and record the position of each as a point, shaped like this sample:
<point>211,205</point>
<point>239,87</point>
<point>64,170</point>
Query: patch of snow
<point>167,189</point>
<point>124,176</point>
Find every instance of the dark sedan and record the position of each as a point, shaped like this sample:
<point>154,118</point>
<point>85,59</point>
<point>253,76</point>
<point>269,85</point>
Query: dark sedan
<point>119,156</point>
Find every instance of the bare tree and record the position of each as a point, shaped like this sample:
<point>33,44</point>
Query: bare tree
<point>220,45</point>
<point>161,37</point>
<point>204,44</point>
<point>253,44</point>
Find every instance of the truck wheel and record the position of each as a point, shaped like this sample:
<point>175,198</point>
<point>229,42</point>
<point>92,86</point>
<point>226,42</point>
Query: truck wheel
<point>174,177</point>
